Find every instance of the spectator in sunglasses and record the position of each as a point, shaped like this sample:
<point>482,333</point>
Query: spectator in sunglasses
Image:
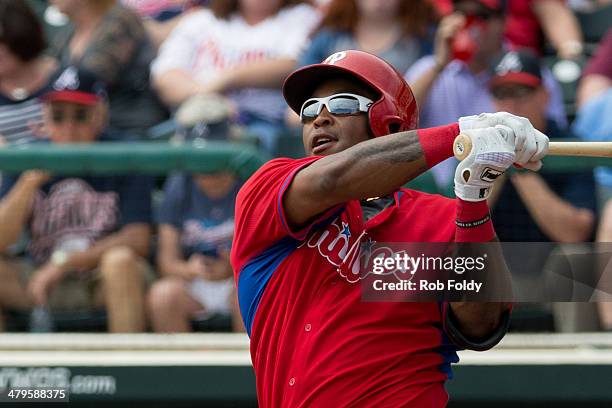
<point>533,207</point>
<point>89,235</point>
<point>453,82</point>
<point>76,109</point>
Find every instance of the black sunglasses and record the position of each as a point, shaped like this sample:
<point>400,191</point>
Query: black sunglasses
<point>79,115</point>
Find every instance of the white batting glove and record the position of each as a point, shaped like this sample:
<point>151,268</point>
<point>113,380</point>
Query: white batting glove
<point>492,153</point>
<point>530,145</point>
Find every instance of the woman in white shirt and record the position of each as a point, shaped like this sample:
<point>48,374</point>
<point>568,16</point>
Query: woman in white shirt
<point>243,49</point>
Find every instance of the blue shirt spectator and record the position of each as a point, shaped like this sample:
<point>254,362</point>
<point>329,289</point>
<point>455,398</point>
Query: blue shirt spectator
<point>196,228</point>
<point>206,224</point>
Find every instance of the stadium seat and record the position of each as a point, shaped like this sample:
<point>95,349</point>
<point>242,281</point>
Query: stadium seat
<point>215,323</point>
<point>68,321</point>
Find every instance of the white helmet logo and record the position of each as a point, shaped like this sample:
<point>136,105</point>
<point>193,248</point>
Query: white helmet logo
<point>69,79</point>
<point>332,59</point>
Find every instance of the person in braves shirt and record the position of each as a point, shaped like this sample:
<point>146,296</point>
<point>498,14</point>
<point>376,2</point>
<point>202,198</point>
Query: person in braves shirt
<point>314,342</point>
<point>88,234</point>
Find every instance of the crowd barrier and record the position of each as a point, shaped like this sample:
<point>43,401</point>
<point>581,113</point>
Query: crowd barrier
<point>215,369</point>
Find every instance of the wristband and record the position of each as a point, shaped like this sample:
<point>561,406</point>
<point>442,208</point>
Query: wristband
<point>475,216</point>
<point>472,224</point>
<point>437,143</point>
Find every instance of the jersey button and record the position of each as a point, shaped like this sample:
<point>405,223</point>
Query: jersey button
<point>308,327</point>
<point>291,381</point>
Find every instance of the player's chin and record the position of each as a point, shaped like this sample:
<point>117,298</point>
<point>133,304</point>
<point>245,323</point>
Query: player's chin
<point>326,149</point>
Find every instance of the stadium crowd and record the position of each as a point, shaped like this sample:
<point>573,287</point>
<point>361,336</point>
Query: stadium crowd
<point>138,253</point>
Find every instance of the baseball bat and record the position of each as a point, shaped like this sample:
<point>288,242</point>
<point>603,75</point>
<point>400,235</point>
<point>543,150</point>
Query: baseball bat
<point>463,146</point>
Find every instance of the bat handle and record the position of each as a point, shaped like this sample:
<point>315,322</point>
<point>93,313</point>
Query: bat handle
<point>462,146</point>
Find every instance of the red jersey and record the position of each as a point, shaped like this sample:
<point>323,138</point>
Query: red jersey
<point>314,343</point>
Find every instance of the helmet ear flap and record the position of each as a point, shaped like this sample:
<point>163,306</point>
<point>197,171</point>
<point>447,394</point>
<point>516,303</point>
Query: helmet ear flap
<point>384,118</point>
<point>376,118</point>
<point>395,126</point>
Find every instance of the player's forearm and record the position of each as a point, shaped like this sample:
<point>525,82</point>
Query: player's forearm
<point>373,168</point>
<point>15,208</point>
<point>478,320</point>
<point>134,236</point>
<point>556,217</point>
<point>381,165</point>
<point>476,236</point>
<point>175,86</point>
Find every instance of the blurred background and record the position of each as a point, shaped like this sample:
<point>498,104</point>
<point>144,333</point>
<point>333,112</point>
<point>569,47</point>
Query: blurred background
<point>128,126</point>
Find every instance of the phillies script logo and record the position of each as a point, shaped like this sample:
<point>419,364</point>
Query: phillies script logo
<point>349,254</point>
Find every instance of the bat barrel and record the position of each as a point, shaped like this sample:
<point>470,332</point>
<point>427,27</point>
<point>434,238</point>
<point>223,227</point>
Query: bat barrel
<point>588,149</point>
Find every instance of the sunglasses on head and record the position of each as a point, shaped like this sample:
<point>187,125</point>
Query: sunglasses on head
<point>342,104</point>
<point>79,115</point>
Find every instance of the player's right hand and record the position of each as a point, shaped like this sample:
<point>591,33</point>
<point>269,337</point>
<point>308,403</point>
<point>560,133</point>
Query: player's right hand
<point>492,153</point>
<point>530,145</point>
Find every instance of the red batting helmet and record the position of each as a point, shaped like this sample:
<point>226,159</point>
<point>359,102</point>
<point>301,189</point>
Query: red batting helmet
<point>395,109</point>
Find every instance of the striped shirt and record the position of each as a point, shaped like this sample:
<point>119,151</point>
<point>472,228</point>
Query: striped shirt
<point>18,117</point>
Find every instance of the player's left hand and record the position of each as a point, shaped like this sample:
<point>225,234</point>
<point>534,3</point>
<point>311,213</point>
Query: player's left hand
<point>530,145</point>
<point>490,156</point>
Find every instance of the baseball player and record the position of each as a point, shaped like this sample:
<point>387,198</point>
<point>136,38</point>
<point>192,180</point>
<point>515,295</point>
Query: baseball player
<point>314,342</point>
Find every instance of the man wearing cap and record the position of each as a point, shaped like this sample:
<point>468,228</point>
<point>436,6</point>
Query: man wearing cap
<point>548,207</point>
<point>88,234</point>
<point>532,207</point>
<point>454,81</point>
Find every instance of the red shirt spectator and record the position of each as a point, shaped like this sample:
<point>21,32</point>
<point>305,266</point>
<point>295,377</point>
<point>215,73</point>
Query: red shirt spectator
<point>601,63</point>
<point>529,21</point>
<point>522,26</point>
